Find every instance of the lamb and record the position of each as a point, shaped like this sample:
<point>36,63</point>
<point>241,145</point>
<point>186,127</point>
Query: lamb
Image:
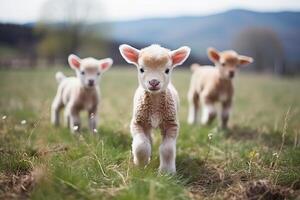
<point>79,93</point>
<point>210,85</point>
<point>155,102</point>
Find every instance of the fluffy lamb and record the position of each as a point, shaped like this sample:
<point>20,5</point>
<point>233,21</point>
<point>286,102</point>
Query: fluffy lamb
<point>80,92</point>
<point>210,85</point>
<point>155,102</point>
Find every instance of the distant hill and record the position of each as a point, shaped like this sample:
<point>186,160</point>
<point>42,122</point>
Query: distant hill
<point>217,30</point>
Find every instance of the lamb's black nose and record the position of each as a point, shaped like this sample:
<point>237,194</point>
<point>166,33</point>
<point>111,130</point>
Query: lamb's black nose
<point>154,82</point>
<point>231,74</point>
<point>91,82</point>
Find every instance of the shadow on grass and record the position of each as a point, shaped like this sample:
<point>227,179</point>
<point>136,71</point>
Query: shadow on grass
<point>116,138</point>
<point>268,138</point>
<point>200,176</point>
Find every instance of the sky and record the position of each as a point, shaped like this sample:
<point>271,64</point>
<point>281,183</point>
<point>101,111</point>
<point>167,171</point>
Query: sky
<point>23,11</point>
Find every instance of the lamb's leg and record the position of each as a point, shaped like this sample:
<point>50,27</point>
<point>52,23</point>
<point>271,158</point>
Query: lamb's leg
<point>141,145</point>
<point>55,109</point>
<point>168,148</point>
<point>209,112</point>
<point>226,107</point>
<point>93,120</point>
<point>67,113</point>
<point>74,120</point>
<point>193,99</point>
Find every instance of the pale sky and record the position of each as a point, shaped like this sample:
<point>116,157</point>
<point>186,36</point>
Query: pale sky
<point>22,11</point>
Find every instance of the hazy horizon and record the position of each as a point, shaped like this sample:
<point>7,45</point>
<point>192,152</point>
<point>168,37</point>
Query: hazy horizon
<point>118,10</point>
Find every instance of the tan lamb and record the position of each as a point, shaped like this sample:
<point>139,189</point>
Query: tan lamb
<point>80,92</point>
<point>155,102</point>
<point>212,84</point>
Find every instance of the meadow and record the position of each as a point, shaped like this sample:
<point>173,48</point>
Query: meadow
<point>257,158</point>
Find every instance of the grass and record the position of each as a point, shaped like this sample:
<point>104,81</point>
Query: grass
<point>37,161</point>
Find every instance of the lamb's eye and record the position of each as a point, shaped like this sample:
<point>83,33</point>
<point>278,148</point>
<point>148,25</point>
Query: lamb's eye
<point>167,71</point>
<point>98,73</point>
<point>142,70</point>
<point>82,72</point>
<point>223,64</point>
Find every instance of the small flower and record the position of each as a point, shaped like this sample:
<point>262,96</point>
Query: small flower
<point>4,117</point>
<point>23,122</point>
<point>253,154</point>
<point>275,154</point>
<point>210,135</point>
<point>75,128</point>
<point>95,130</point>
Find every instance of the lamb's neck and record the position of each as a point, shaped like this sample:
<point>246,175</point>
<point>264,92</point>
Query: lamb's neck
<point>87,89</point>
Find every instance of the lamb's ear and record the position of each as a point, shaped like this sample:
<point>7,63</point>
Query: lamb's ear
<point>178,56</point>
<point>244,60</point>
<point>213,54</point>
<point>74,61</point>
<point>105,64</point>
<point>129,53</point>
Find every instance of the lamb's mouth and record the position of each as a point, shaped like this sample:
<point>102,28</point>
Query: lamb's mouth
<point>154,89</point>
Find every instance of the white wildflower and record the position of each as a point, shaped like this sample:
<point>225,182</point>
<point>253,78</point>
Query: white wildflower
<point>23,122</point>
<point>95,130</point>
<point>4,117</point>
<point>210,135</point>
<point>275,154</point>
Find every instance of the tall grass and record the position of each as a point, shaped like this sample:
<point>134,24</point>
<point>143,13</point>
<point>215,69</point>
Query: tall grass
<point>50,163</point>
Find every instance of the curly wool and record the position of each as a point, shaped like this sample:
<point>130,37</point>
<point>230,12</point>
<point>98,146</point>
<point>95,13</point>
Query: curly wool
<point>166,111</point>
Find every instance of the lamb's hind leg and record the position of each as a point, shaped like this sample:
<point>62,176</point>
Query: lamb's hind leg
<point>55,110</point>
<point>193,98</point>
<point>168,148</point>
<point>141,145</point>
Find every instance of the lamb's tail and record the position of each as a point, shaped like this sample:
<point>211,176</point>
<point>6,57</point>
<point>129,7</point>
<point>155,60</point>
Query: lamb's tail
<point>194,67</point>
<point>59,77</point>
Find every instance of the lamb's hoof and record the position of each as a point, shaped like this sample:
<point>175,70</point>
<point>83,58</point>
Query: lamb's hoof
<point>167,171</point>
<point>75,129</point>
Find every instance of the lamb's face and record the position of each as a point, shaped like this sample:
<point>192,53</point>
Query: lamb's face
<point>89,73</point>
<point>154,68</point>
<point>154,64</point>
<point>228,62</point>
<point>89,70</point>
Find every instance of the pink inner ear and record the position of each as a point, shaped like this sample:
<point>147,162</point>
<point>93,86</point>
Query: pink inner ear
<point>75,62</point>
<point>105,65</point>
<point>178,57</point>
<point>131,54</point>
<point>215,56</point>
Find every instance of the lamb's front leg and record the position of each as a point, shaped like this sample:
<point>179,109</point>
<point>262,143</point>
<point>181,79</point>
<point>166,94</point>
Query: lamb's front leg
<point>74,119</point>
<point>226,107</point>
<point>141,144</point>
<point>209,112</point>
<point>93,119</point>
<point>168,148</point>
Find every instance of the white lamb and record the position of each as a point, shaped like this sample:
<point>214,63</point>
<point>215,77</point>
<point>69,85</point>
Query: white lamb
<point>79,93</point>
<point>155,102</point>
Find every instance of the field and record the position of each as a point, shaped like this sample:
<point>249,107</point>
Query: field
<point>258,157</point>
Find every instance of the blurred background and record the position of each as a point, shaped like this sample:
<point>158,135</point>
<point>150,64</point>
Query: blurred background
<point>257,158</point>
<point>41,33</point>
